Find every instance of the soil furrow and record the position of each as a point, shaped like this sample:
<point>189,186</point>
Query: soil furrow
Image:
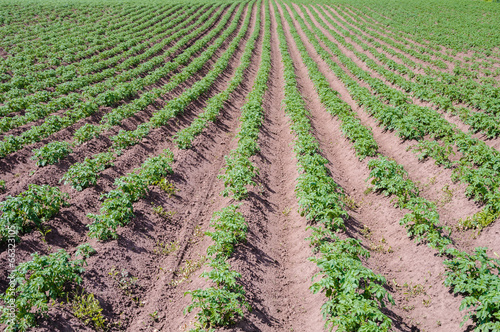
<point>274,262</point>
<point>21,129</point>
<point>409,56</point>
<point>259,75</point>
<point>495,143</point>
<point>197,172</point>
<point>459,55</point>
<point>134,248</point>
<point>16,172</point>
<point>434,180</point>
<point>394,255</point>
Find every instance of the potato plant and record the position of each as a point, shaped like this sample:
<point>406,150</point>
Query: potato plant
<point>51,153</point>
<point>34,284</point>
<point>319,200</point>
<point>33,207</point>
<point>117,208</point>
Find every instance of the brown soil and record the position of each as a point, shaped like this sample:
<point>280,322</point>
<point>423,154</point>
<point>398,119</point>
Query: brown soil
<point>4,54</point>
<point>393,254</point>
<point>273,262</point>
<point>274,265</point>
<point>19,130</point>
<point>341,20</point>
<point>19,163</point>
<point>134,248</point>
<point>459,56</point>
<point>452,204</point>
<point>494,143</point>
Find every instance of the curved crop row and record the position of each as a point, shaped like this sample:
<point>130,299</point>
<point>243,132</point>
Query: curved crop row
<point>422,223</point>
<point>239,170</point>
<point>117,209</point>
<point>361,136</point>
<point>475,276</point>
<point>461,70</point>
<point>223,304</point>
<point>441,94</point>
<point>40,46</point>
<point>478,160</point>
<point>122,72</point>
<point>83,174</point>
<point>36,110</point>
<point>125,44</point>
<point>122,90</point>
<point>174,107</point>
<point>185,137</point>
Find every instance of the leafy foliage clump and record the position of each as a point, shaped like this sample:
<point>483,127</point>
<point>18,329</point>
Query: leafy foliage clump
<point>36,205</point>
<point>35,283</point>
<point>354,292</point>
<point>51,153</point>
<point>478,278</point>
<point>117,208</point>
<point>230,229</point>
<point>223,304</point>
<point>86,133</point>
<point>391,178</point>
<point>88,309</point>
<point>85,174</point>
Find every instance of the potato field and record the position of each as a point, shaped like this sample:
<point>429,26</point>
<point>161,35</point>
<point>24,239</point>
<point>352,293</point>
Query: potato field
<point>257,165</point>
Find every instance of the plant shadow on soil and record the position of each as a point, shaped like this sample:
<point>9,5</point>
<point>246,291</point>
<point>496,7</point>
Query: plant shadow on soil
<point>353,229</point>
<point>255,257</point>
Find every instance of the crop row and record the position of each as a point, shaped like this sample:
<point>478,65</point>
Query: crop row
<point>456,28</point>
<point>122,71</point>
<point>354,292</point>
<point>125,139</point>
<point>475,276</point>
<point>83,109</point>
<point>17,35</point>
<point>22,20</point>
<point>184,138</point>
<point>361,136</point>
<point>459,76</point>
<point>125,43</point>
<point>27,62</point>
<point>81,175</point>
<point>440,93</point>
<point>478,161</point>
<point>460,68</point>
<point>47,39</point>
<point>224,303</point>
<point>51,22</point>
<point>117,209</point>
<point>35,110</point>
<point>67,47</point>
<point>422,224</point>
<point>239,171</point>
<point>34,283</point>
<point>84,174</point>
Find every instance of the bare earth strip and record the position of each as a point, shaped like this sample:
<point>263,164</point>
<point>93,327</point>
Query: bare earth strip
<point>379,215</point>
